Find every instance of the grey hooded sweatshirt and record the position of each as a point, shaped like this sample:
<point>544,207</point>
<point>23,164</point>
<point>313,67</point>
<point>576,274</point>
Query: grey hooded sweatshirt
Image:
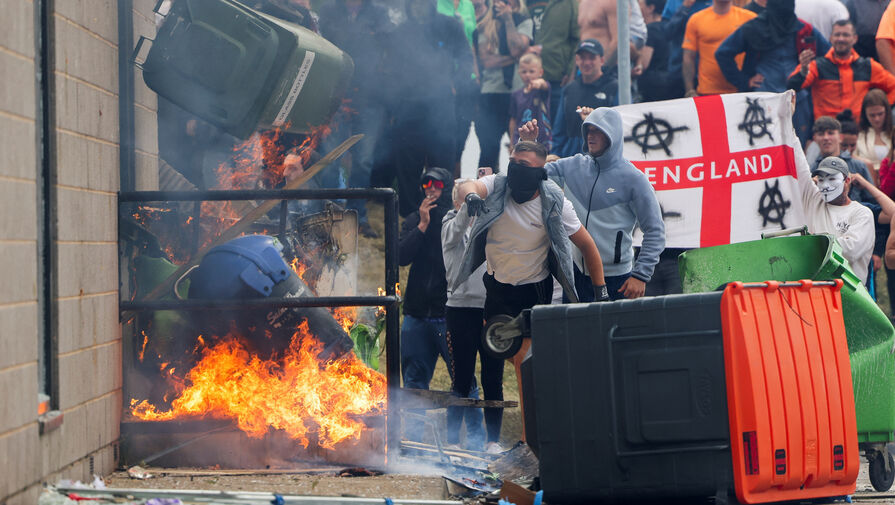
<point>611,196</point>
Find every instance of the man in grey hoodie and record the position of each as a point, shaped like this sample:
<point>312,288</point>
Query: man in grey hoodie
<point>610,196</point>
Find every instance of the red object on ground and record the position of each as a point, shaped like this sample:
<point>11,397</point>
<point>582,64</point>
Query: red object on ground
<point>77,497</point>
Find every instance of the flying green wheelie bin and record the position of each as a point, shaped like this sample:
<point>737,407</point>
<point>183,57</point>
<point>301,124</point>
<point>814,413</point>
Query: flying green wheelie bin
<point>242,70</point>
<point>871,335</point>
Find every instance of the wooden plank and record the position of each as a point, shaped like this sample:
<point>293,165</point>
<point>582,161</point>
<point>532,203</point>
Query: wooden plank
<point>177,472</point>
<point>447,452</point>
<point>517,494</point>
<point>461,453</point>
<point>517,464</point>
<point>428,399</point>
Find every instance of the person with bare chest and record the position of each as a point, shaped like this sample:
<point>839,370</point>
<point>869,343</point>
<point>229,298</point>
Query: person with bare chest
<point>598,19</point>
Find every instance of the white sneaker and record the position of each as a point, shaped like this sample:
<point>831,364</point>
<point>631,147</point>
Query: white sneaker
<point>493,448</point>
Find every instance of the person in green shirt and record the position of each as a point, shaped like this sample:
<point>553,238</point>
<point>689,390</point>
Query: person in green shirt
<point>556,39</point>
<point>462,9</point>
<point>467,97</point>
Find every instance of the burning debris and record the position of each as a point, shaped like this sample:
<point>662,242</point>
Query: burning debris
<point>288,369</point>
<point>296,392</point>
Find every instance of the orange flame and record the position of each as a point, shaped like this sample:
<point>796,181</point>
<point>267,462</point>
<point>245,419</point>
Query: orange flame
<point>346,316</point>
<point>143,348</point>
<point>258,162</point>
<point>298,267</point>
<point>296,393</point>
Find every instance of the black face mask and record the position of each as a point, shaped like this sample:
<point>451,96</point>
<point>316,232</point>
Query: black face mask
<point>524,180</point>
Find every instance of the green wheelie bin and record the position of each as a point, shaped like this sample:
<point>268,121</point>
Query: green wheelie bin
<point>242,70</point>
<point>871,335</point>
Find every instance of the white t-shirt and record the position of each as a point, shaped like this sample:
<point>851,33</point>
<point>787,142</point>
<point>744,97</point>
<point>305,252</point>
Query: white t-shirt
<point>518,243</point>
<point>851,224</point>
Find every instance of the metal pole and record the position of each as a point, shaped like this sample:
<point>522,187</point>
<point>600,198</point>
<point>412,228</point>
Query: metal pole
<point>392,335</point>
<point>255,194</point>
<point>256,303</point>
<point>623,52</point>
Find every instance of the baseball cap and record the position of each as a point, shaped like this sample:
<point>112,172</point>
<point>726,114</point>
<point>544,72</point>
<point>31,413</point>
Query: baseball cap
<point>831,165</point>
<point>590,45</point>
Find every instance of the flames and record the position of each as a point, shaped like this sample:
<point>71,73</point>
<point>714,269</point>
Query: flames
<point>296,392</point>
<point>266,160</point>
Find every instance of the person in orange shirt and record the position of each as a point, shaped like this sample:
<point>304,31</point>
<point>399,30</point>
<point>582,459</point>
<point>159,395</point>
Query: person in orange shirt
<point>885,39</point>
<point>706,30</point>
<point>840,79</point>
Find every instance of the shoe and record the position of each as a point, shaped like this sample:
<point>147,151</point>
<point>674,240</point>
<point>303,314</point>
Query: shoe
<point>493,448</point>
<point>367,231</point>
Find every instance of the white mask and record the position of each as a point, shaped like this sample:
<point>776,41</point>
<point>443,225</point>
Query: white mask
<point>830,186</point>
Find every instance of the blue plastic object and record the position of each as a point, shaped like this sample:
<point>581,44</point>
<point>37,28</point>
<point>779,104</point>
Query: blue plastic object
<point>252,267</point>
<point>248,266</point>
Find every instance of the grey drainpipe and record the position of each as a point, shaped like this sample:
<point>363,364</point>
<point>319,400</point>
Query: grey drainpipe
<point>126,94</point>
<point>45,141</point>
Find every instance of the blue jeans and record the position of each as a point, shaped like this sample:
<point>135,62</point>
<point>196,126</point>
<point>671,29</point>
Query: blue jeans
<point>422,341</point>
<point>367,120</point>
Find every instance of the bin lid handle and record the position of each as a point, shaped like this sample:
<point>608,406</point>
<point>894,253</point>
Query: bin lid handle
<point>801,230</point>
<point>139,62</point>
<point>176,286</point>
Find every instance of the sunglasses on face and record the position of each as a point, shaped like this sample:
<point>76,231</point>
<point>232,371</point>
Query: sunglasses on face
<point>433,183</point>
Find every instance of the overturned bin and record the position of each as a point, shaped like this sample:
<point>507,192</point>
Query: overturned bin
<point>691,396</point>
<point>870,333</point>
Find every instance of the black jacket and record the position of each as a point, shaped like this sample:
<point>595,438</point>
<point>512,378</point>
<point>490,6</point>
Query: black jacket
<point>601,93</point>
<point>426,292</point>
<point>427,60</point>
<point>363,38</point>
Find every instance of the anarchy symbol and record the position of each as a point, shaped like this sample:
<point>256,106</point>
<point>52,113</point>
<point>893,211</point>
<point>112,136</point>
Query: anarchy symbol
<point>755,123</point>
<point>772,206</point>
<point>669,214</point>
<point>652,128</point>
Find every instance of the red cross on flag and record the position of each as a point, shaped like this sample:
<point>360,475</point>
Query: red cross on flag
<point>722,165</point>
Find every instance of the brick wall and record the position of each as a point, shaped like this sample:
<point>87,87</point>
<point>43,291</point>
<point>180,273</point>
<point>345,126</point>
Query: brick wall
<point>87,332</point>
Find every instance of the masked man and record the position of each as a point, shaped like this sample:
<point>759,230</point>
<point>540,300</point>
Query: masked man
<point>828,209</point>
<point>523,232</point>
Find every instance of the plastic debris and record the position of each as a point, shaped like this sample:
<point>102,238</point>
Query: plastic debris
<point>138,472</point>
<point>163,501</point>
<point>77,497</point>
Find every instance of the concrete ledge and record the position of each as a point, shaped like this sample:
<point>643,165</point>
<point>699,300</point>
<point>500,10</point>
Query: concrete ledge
<point>50,421</point>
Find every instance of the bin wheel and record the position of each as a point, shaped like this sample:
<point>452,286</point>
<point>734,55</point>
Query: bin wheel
<point>496,345</point>
<point>881,479</point>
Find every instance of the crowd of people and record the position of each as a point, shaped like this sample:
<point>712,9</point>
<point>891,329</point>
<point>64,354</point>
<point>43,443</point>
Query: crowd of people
<point>555,77</point>
<point>545,74</point>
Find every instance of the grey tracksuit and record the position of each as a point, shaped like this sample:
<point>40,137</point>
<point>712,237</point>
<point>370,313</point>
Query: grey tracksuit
<point>611,196</point>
